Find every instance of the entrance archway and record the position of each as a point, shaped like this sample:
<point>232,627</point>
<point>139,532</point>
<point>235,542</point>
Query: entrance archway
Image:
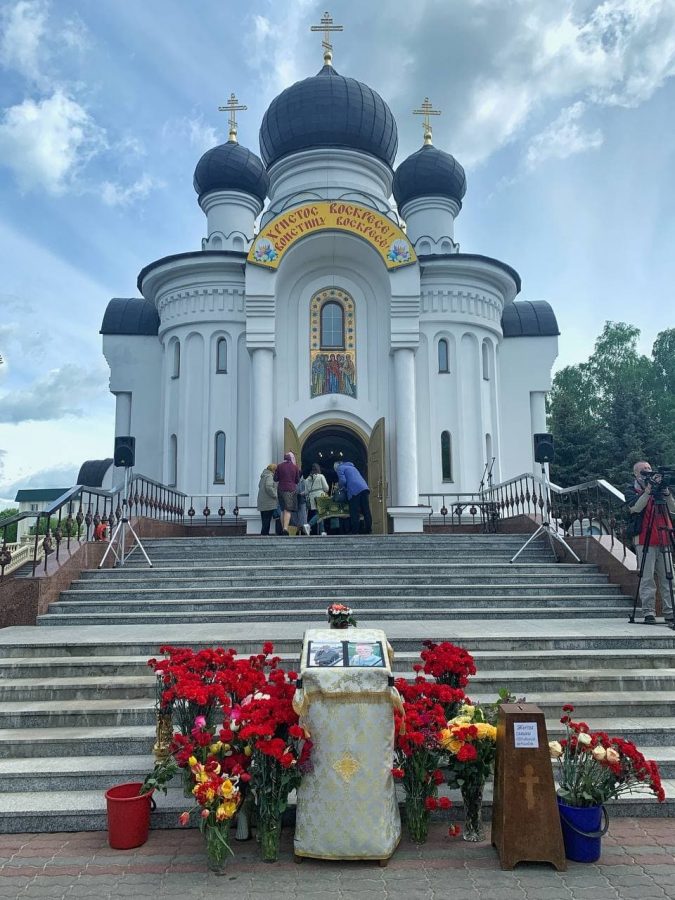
<point>334,443</point>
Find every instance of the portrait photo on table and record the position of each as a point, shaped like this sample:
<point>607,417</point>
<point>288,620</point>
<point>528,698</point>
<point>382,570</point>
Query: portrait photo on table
<point>364,653</point>
<point>325,653</point>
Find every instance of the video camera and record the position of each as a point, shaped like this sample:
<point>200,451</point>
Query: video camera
<point>660,479</point>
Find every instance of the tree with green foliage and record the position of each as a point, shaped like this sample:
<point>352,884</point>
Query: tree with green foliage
<point>618,407</point>
<point>11,529</point>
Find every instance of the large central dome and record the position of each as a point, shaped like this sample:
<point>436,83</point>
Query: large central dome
<point>328,110</point>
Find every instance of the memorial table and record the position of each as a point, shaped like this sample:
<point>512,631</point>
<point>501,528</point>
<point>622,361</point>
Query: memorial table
<point>346,806</point>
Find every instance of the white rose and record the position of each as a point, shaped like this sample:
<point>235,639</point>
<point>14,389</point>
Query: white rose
<point>584,739</point>
<point>599,753</point>
<point>555,749</point>
<point>612,756</point>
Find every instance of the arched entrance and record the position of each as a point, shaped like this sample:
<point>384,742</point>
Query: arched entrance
<point>334,443</point>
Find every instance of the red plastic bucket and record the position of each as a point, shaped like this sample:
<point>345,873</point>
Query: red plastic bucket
<point>128,815</point>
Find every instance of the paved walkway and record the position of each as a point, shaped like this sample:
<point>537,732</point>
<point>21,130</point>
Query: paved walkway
<point>638,861</point>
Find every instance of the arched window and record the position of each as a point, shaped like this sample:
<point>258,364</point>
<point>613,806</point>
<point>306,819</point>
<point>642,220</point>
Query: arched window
<point>221,355</point>
<point>446,456</point>
<point>443,356</point>
<point>219,458</point>
<point>332,326</point>
<point>486,361</point>
<point>173,461</point>
<point>175,371</point>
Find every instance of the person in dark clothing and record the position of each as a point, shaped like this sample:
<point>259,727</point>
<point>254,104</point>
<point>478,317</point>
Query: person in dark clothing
<point>358,496</point>
<point>644,511</point>
<point>287,476</point>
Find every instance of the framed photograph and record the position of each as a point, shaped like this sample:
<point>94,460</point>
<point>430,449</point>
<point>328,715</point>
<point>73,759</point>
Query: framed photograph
<point>366,654</point>
<point>325,654</point>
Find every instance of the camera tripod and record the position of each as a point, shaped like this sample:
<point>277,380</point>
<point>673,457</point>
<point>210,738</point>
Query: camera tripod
<point>545,527</point>
<point>118,537</point>
<point>666,548</point>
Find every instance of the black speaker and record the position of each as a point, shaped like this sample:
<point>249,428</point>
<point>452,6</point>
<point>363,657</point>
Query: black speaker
<point>125,451</point>
<point>544,450</point>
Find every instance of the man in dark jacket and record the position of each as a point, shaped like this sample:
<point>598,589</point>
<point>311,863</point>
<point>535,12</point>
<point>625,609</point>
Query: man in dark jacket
<point>647,520</point>
<point>358,496</point>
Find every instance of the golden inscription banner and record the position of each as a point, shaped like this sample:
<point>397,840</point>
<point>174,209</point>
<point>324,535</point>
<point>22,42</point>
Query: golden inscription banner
<point>283,231</point>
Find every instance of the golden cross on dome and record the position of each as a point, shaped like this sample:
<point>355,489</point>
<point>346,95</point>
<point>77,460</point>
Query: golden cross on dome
<point>231,107</point>
<point>426,110</point>
<point>326,26</point>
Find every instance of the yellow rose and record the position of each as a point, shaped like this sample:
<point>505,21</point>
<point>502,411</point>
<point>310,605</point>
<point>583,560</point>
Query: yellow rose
<point>227,788</point>
<point>486,731</point>
<point>467,710</point>
<point>448,740</point>
<point>555,749</point>
<point>214,748</point>
<point>599,753</point>
<point>192,761</point>
<point>460,720</point>
<point>209,795</point>
<point>584,739</point>
<point>612,756</point>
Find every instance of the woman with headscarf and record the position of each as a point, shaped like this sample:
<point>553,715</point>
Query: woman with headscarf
<point>287,477</point>
<point>267,497</point>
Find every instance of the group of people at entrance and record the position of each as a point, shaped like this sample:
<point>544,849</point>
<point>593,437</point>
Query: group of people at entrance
<point>289,498</point>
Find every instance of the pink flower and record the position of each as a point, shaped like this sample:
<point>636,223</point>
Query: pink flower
<point>200,722</point>
<point>184,819</point>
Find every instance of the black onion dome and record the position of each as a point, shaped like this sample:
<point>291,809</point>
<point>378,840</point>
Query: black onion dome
<point>529,318</point>
<point>426,172</point>
<point>231,167</point>
<point>328,110</point>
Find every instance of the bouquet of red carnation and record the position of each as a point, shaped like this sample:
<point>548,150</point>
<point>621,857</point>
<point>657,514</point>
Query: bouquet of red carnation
<point>447,663</point>
<point>418,752</point>
<point>594,768</point>
<point>340,616</point>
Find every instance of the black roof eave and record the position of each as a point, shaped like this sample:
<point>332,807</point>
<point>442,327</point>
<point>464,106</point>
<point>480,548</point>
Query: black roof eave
<point>193,254</point>
<point>478,257</point>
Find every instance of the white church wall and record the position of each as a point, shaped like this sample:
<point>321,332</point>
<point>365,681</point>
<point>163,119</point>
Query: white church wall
<point>525,376</point>
<point>431,218</point>
<point>135,365</point>
<point>230,219</point>
<point>240,454</point>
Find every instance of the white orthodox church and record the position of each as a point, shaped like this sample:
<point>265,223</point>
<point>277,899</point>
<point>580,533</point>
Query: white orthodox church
<point>329,310</point>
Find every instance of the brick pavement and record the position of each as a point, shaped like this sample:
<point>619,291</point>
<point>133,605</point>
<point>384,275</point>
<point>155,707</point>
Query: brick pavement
<point>638,861</point>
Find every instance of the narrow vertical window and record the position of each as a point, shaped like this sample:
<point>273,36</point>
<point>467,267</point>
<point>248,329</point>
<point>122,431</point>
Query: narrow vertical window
<point>486,361</point>
<point>446,456</point>
<point>443,356</point>
<point>332,326</point>
<point>488,448</point>
<point>175,371</point>
<point>221,355</point>
<point>219,459</point>
<point>173,460</point>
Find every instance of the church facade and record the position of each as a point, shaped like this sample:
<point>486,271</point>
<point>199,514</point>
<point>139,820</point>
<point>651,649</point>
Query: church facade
<point>322,316</point>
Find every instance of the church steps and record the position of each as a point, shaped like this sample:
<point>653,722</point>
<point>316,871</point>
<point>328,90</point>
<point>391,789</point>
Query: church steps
<point>369,616</point>
<point>527,663</point>
<point>57,687</point>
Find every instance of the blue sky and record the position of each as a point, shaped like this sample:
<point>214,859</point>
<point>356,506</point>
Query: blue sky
<point>561,113</point>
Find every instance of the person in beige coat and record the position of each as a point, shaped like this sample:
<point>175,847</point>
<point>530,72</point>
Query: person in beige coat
<point>267,497</point>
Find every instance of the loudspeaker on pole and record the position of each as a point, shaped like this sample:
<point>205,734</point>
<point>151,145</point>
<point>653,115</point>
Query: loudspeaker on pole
<point>544,451</point>
<point>125,451</point>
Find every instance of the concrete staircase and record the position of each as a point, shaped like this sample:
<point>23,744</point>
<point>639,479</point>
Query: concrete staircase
<point>77,698</point>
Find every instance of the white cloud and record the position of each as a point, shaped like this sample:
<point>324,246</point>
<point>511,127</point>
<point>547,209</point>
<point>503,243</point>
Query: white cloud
<point>564,137</point>
<point>23,30</point>
<point>60,476</point>
<point>47,142</point>
<point>199,133</point>
<point>273,44</point>
<point>61,392</point>
<point>124,195</point>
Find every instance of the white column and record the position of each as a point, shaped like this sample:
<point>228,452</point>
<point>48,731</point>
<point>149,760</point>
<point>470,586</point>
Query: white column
<point>262,415</point>
<point>406,428</point>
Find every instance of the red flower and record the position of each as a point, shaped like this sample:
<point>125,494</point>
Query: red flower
<point>398,773</point>
<point>268,648</point>
<point>568,708</point>
<point>431,803</point>
<point>454,831</point>
<point>467,753</point>
<point>184,819</point>
<point>444,802</point>
<point>438,777</point>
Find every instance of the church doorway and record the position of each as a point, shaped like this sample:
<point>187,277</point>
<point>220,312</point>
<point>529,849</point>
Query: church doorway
<point>334,443</point>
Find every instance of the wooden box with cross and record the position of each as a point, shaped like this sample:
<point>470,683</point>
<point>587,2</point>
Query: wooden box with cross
<point>525,818</point>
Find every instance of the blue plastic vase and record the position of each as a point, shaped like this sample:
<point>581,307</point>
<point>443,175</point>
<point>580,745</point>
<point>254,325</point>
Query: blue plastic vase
<point>582,830</point>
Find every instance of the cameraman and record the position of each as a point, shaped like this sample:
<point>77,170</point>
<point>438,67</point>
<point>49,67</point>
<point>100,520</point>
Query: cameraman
<point>643,510</point>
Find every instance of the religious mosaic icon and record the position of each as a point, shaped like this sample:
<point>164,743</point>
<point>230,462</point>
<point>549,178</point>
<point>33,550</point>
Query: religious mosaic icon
<point>332,341</point>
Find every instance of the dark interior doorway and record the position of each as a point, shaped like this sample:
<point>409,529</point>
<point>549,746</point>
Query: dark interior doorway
<point>331,444</point>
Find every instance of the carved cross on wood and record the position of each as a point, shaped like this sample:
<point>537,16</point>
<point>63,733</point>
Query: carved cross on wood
<point>529,779</point>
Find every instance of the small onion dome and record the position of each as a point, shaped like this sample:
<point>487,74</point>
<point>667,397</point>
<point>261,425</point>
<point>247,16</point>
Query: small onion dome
<point>529,318</point>
<point>427,172</point>
<point>231,167</point>
<point>93,471</point>
<point>328,110</point>
<point>130,316</point>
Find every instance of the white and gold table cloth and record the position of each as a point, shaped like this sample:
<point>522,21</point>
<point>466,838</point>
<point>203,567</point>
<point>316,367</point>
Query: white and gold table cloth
<point>346,806</point>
